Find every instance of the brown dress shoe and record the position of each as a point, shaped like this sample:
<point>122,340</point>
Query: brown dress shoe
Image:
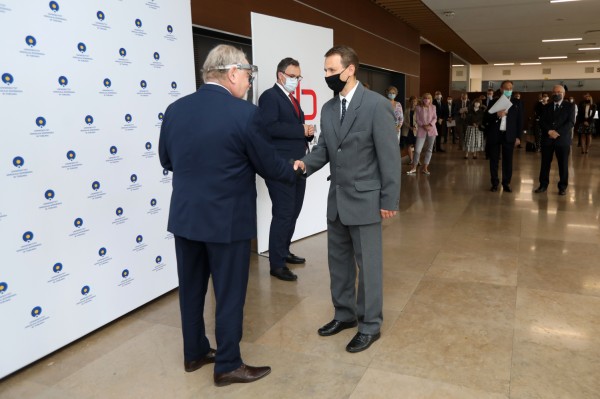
<point>242,374</point>
<point>196,364</point>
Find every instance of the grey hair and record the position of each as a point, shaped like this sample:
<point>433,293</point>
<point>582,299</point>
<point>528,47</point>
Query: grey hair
<point>221,55</point>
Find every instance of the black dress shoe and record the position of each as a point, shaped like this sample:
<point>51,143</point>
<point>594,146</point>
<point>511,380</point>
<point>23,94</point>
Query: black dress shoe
<point>242,374</point>
<point>361,341</point>
<point>540,189</point>
<point>283,273</point>
<point>294,260</point>
<point>494,189</point>
<point>335,326</point>
<point>196,364</point>
<point>507,189</point>
<point>562,191</point>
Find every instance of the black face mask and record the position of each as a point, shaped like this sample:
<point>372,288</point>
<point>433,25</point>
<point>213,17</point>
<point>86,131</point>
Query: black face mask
<point>556,97</point>
<point>335,83</point>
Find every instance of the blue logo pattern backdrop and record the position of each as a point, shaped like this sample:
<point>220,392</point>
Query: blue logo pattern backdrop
<point>85,204</point>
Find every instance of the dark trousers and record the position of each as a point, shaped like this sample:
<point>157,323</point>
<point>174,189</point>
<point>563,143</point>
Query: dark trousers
<point>228,264</point>
<point>507,148</point>
<point>562,158</point>
<point>441,133</point>
<point>287,203</point>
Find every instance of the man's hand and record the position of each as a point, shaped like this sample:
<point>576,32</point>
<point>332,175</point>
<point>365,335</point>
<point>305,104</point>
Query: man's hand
<point>300,165</point>
<point>387,214</point>
<point>501,113</point>
<point>517,142</point>
<point>553,134</point>
<point>309,130</point>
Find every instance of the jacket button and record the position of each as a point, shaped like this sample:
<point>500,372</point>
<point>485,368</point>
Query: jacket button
<point>339,150</point>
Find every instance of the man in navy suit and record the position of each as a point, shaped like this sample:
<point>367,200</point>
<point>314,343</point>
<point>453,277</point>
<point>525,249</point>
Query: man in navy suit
<point>284,121</point>
<point>213,142</point>
<point>503,133</point>
<point>556,123</point>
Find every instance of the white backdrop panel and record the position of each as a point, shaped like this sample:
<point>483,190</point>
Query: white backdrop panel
<point>85,202</point>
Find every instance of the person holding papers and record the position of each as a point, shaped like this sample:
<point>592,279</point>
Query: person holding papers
<point>503,124</point>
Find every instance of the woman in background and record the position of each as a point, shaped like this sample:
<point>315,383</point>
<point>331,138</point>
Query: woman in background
<point>426,131</point>
<point>409,129</point>
<point>474,141</point>
<point>585,116</point>
<point>391,93</point>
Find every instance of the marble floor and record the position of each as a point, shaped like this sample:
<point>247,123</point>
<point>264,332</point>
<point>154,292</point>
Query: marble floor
<point>486,295</point>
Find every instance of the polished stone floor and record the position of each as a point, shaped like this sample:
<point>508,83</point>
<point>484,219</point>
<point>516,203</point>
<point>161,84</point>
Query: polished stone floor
<point>486,295</point>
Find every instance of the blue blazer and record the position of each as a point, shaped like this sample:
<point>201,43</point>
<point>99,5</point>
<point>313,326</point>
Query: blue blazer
<point>514,123</point>
<point>561,120</point>
<point>282,123</point>
<point>214,144</point>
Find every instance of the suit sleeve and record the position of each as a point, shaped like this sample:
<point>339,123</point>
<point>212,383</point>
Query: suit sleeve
<point>388,156</point>
<point>318,156</point>
<point>263,156</point>
<point>163,153</point>
<point>270,108</point>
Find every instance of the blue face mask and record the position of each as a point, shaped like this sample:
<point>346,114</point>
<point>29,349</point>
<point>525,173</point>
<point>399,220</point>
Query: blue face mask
<point>508,93</point>
<point>391,96</point>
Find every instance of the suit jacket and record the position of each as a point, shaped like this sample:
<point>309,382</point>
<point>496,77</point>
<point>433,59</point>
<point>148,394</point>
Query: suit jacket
<point>582,117</point>
<point>282,123</point>
<point>214,144</point>
<point>561,120</point>
<point>363,156</point>
<point>426,115</point>
<point>446,111</point>
<point>457,105</point>
<point>514,123</point>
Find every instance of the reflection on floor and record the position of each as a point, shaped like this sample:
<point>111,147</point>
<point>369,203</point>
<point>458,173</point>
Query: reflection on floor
<point>487,295</point>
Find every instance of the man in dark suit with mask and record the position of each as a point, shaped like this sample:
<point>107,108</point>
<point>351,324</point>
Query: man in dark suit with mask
<point>358,140</point>
<point>503,133</point>
<point>284,121</point>
<point>556,122</point>
<point>213,142</point>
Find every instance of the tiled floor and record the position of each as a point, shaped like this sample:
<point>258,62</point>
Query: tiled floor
<point>486,295</point>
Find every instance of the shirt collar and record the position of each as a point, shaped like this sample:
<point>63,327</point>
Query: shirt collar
<point>218,84</point>
<point>287,93</point>
<point>349,96</point>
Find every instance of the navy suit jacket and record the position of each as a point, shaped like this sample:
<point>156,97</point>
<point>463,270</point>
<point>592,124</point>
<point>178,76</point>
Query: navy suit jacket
<point>514,123</point>
<point>214,144</point>
<point>561,120</point>
<point>282,123</point>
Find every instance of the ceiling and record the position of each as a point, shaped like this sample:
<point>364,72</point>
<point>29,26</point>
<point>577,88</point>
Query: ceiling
<point>503,31</point>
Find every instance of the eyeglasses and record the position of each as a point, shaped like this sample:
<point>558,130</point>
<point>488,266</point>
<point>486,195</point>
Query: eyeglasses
<point>246,67</point>
<point>293,77</point>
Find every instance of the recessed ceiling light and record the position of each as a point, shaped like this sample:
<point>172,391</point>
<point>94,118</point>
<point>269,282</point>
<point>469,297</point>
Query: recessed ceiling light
<point>561,1</point>
<point>531,63</point>
<point>553,58</point>
<point>458,65</point>
<point>588,48</point>
<point>449,13</point>
<point>504,64</point>
<point>581,62</point>
<point>572,39</point>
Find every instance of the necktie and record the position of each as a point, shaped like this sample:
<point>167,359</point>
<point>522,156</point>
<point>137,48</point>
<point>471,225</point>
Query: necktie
<point>293,100</point>
<point>555,107</point>
<point>343,110</point>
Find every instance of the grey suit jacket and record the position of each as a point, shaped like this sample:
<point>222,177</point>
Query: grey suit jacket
<point>363,156</point>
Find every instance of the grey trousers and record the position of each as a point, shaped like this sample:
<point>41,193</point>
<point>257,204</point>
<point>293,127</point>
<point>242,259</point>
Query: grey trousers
<point>349,247</point>
<point>427,142</point>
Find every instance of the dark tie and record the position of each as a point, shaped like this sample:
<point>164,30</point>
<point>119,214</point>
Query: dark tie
<point>343,110</point>
<point>555,107</point>
<point>293,100</point>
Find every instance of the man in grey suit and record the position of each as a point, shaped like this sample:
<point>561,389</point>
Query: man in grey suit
<point>358,139</point>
